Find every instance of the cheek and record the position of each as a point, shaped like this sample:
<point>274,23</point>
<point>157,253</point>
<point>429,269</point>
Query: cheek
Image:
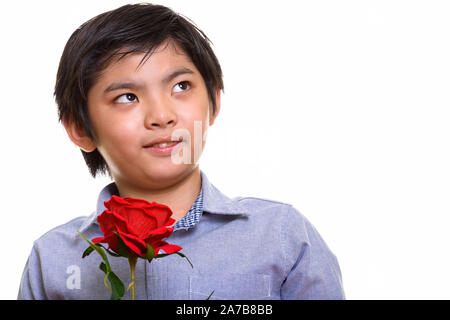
<point>195,120</point>
<point>198,110</point>
<point>117,137</point>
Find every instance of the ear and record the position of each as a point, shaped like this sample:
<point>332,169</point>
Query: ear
<point>212,117</point>
<point>79,136</point>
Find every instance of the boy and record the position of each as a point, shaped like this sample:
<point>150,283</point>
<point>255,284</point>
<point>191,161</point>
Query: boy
<point>137,89</point>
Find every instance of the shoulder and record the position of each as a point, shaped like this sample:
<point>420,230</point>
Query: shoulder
<point>255,202</point>
<point>263,207</point>
<point>60,235</point>
<point>296,231</point>
<point>280,217</point>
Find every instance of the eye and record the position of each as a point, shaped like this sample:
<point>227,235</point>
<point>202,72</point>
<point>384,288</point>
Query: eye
<point>126,98</point>
<point>181,86</point>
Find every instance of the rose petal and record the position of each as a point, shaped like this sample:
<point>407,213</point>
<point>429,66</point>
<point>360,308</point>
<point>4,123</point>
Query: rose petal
<point>105,222</point>
<point>108,221</point>
<point>111,240</point>
<point>164,231</point>
<point>138,220</point>
<point>156,245</point>
<point>163,245</point>
<point>99,240</point>
<point>170,248</point>
<point>135,244</point>
<point>115,201</point>
<point>161,212</point>
<point>138,203</point>
<point>169,222</point>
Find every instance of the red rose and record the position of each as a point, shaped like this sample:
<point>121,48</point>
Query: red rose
<point>138,222</point>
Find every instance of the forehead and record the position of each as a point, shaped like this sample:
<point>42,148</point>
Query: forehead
<point>165,53</point>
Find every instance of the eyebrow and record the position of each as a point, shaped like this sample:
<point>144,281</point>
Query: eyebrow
<point>139,86</point>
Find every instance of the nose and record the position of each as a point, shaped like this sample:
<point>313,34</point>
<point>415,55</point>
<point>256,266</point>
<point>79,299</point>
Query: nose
<point>159,114</point>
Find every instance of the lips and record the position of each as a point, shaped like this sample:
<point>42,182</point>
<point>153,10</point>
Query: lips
<point>163,147</point>
<point>163,142</point>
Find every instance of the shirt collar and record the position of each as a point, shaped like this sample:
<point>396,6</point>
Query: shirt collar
<point>193,216</point>
<point>214,202</point>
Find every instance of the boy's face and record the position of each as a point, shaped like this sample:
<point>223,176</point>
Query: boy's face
<point>129,107</point>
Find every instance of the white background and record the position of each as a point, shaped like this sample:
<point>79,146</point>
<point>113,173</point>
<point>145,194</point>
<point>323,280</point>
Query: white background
<point>340,108</point>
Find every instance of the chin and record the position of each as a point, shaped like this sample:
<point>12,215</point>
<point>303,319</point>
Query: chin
<point>168,171</point>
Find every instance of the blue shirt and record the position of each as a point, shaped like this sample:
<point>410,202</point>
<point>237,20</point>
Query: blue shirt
<point>242,248</point>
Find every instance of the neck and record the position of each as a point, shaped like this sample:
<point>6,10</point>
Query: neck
<point>178,196</point>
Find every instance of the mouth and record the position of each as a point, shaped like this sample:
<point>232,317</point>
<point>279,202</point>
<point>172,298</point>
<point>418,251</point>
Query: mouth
<point>163,145</point>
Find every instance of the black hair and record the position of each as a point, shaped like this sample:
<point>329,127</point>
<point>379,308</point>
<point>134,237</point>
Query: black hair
<point>137,28</point>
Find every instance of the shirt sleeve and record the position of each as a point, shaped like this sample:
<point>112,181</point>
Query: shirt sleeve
<point>31,285</point>
<point>312,269</point>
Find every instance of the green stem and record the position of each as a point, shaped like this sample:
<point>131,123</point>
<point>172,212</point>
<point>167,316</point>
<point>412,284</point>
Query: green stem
<point>132,261</point>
